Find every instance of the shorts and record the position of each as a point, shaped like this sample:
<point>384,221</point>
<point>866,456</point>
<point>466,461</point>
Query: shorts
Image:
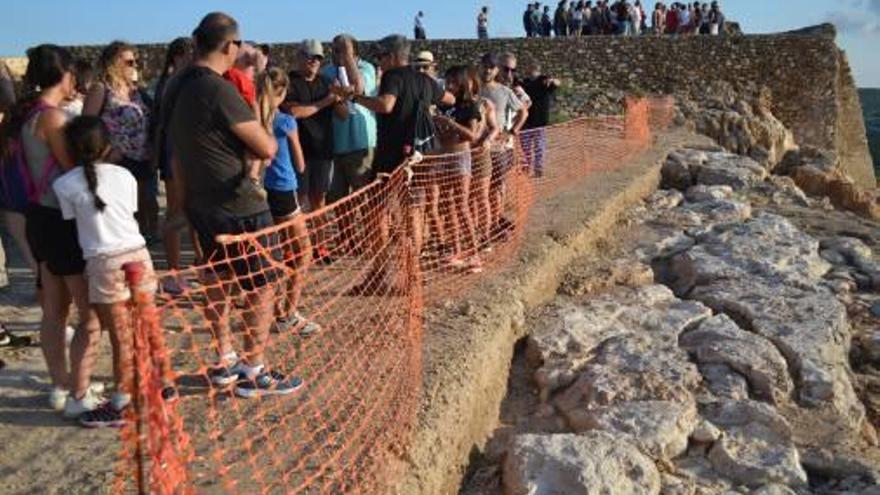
<point>460,164</point>
<point>142,170</point>
<point>351,171</point>
<point>53,240</point>
<point>251,265</point>
<point>282,204</point>
<point>482,164</point>
<point>316,177</point>
<point>107,284</point>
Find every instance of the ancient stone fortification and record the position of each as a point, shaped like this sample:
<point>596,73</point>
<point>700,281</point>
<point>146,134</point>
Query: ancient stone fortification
<point>812,86</point>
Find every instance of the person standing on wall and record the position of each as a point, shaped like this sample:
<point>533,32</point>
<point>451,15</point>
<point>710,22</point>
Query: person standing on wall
<point>527,21</point>
<point>716,20</point>
<point>419,29</point>
<point>483,24</point>
<point>212,129</point>
<point>560,19</point>
<point>546,23</point>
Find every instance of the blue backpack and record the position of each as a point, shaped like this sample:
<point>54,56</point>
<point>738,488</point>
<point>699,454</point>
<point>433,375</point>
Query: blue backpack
<point>18,189</point>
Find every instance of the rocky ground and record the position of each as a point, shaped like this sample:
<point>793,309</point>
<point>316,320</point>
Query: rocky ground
<point>727,343</point>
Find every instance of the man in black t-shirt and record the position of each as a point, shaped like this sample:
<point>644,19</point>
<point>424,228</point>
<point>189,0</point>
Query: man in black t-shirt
<point>541,90</point>
<point>404,94</point>
<point>312,101</point>
<point>211,130</point>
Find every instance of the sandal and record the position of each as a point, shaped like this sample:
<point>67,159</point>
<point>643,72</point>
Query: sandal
<point>14,341</point>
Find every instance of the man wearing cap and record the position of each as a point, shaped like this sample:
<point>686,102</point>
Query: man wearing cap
<point>312,102</point>
<point>404,94</point>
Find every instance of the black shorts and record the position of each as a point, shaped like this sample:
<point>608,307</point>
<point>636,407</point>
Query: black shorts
<point>282,204</point>
<point>53,240</point>
<point>316,178</point>
<point>252,265</point>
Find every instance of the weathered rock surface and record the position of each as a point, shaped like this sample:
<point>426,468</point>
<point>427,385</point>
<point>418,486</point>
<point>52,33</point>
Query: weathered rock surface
<point>766,247</point>
<point>618,346</point>
<point>755,448</point>
<point>638,357</point>
<point>708,193</point>
<point>719,341</point>
<point>659,428</point>
<point>588,464</point>
<point>685,167</point>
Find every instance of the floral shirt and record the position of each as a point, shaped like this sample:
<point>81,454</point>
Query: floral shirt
<point>128,123</point>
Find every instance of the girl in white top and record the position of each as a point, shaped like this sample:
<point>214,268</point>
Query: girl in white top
<point>103,199</point>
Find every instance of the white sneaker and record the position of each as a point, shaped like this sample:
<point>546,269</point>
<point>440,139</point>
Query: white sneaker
<point>73,407</point>
<point>57,397</point>
<point>69,332</point>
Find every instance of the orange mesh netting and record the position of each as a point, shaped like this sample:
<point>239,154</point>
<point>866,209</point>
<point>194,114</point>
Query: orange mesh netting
<point>426,232</point>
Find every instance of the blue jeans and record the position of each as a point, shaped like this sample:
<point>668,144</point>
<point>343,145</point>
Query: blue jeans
<point>534,145</point>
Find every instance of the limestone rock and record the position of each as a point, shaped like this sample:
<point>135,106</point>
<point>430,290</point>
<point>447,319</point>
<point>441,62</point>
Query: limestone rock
<point>659,428</point>
<point>587,464</point>
<point>708,193</point>
<point>705,432</point>
<point>767,246</point>
<point>616,333</point>
<point>718,340</point>
<point>774,489</point>
<point>756,448</point>
<point>820,159</point>
<point>725,169</point>
<point>723,382</point>
<point>664,199</point>
<point>640,359</point>
<point>721,210</point>
<point>810,328</point>
<point>676,170</point>
<point>671,244</point>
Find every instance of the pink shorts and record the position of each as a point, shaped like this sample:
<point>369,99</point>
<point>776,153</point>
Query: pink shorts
<point>106,279</point>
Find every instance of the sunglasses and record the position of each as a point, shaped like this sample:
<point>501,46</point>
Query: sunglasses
<point>315,58</point>
<point>237,43</point>
<point>131,62</point>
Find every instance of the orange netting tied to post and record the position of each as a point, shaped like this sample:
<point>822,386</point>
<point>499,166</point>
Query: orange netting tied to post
<point>343,328</point>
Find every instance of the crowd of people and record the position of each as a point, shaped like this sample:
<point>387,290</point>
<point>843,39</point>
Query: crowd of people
<point>241,145</point>
<point>621,17</point>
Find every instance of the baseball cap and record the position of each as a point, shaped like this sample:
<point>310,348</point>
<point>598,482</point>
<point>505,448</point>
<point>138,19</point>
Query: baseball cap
<point>424,58</point>
<point>489,60</point>
<point>312,48</point>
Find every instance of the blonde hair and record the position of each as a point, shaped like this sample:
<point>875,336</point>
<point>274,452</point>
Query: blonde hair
<point>270,83</point>
<point>112,72</point>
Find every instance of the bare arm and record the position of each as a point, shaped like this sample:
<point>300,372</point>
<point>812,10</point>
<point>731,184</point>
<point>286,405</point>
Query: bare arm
<point>299,160</point>
<point>382,104</point>
<point>448,99</point>
<point>301,111</point>
<point>465,133</point>
<point>255,137</point>
<point>94,99</point>
<point>341,111</point>
<point>355,79</point>
<point>491,123</point>
<point>520,120</point>
<point>52,124</point>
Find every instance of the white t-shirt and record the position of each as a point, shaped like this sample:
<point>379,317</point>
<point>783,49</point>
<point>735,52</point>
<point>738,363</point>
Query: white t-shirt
<point>112,231</point>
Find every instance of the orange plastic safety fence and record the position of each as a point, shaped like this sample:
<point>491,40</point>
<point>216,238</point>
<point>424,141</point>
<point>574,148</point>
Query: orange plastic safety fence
<point>336,298</point>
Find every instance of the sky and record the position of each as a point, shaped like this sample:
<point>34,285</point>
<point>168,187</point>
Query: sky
<point>69,22</point>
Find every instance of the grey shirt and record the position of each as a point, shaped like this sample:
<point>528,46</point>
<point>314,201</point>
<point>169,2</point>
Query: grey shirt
<point>506,104</point>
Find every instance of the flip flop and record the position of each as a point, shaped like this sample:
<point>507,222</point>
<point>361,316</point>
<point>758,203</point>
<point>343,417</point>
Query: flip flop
<point>13,341</point>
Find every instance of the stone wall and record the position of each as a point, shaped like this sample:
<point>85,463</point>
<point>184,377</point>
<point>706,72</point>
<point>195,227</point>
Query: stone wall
<point>813,90</point>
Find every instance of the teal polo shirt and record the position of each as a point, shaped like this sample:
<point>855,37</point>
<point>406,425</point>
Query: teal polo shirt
<point>358,131</point>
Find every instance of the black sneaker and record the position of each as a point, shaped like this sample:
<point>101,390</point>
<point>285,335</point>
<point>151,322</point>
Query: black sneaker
<point>169,394</point>
<point>105,416</point>
<point>268,383</point>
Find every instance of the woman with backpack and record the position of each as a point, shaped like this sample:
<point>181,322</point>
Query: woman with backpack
<point>125,110</point>
<point>33,138</point>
